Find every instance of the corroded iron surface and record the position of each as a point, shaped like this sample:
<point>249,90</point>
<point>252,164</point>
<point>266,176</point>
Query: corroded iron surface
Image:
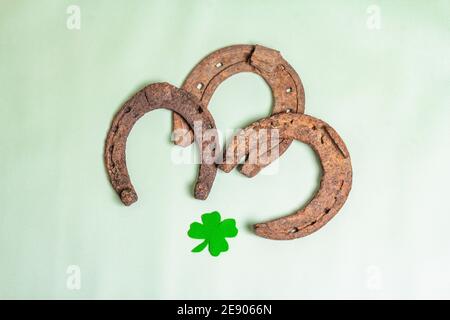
<point>192,119</point>
<point>155,96</point>
<point>336,178</point>
<point>286,86</point>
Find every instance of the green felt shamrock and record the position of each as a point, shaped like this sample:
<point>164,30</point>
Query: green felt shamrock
<point>214,232</point>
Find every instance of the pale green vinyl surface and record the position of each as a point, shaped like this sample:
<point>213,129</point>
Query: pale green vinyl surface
<point>386,91</point>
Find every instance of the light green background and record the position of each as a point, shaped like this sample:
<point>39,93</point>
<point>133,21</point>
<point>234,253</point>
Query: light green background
<point>385,91</point>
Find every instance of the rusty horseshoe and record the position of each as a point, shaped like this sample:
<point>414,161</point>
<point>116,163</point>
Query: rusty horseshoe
<point>336,178</point>
<point>192,121</point>
<point>154,96</point>
<point>209,73</point>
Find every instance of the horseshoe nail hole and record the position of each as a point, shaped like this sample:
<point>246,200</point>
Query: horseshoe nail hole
<point>327,210</point>
<point>199,86</point>
<point>199,109</point>
<point>289,90</point>
<point>321,140</point>
<point>115,129</point>
<point>111,148</point>
<point>219,64</point>
<point>314,128</point>
<point>128,109</point>
<point>294,230</point>
<point>292,121</point>
<point>342,184</point>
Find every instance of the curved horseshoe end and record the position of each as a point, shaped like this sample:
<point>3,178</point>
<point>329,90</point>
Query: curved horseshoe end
<point>263,230</point>
<point>273,231</point>
<point>250,170</point>
<point>201,191</point>
<point>182,134</point>
<point>184,140</point>
<point>128,197</point>
<point>225,167</point>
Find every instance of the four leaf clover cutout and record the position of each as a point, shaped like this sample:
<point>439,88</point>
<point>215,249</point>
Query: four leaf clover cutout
<point>213,231</point>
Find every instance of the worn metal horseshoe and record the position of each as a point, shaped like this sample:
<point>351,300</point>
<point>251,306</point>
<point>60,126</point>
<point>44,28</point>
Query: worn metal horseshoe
<point>287,89</point>
<point>336,178</point>
<point>155,96</point>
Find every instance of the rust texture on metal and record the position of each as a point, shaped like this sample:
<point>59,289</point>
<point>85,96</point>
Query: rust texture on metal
<point>336,178</point>
<point>192,121</point>
<point>154,96</point>
<point>287,89</point>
